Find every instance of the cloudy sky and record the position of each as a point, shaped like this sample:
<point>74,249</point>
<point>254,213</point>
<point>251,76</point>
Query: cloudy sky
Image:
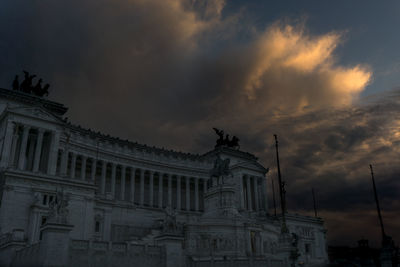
<point>323,75</point>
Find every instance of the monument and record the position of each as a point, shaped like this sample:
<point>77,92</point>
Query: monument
<point>96,200</point>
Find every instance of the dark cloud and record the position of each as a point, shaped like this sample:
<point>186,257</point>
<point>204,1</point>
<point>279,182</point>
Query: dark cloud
<point>165,72</point>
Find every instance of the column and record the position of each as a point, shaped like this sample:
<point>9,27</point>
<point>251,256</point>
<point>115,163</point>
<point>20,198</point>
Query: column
<point>196,194</point>
<point>133,173</point>
<point>5,158</point>
<point>169,190</point>
<point>178,192</point>
<point>73,165</point>
<point>187,193</point>
<point>53,155</point>
<point>64,162</point>
<point>38,150</point>
<point>141,187</point>
<point>265,197</point>
<point>14,141</point>
<point>93,171</point>
<point>249,206</point>
<point>151,188</point>
<point>25,135</point>
<point>103,177</point>
<point>83,167</point>
<point>241,191</point>
<point>160,190</point>
<point>113,173</point>
<point>204,193</point>
<point>123,174</point>
<point>255,186</point>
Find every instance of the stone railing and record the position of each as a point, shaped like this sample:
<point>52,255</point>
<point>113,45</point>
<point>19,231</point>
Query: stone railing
<point>16,235</point>
<point>101,253</point>
<point>30,256</point>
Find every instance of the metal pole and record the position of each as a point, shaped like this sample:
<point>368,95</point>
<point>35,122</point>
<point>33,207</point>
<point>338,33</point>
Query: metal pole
<point>281,189</point>
<point>315,206</point>
<point>377,203</point>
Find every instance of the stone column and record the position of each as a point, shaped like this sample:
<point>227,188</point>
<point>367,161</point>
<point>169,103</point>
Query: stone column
<point>169,190</point>
<point>38,150</point>
<point>196,194</point>
<point>133,179</point>
<point>93,171</point>
<point>187,193</point>
<point>241,191</point>
<point>22,152</point>
<point>160,190</point>
<point>103,177</point>
<point>255,186</point>
<point>204,193</point>
<point>249,206</point>
<point>141,173</point>
<point>31,153</point>
<point>14,141</point>
<point>113,174</point>
<point>73,165</point>
<point>53,155</point>
<point>151,188</point>
<point>123,174</point>
<point>178,193</point>
<point>83,167</point>
<point>7,144</point>
<point>265,194</point>
<point>64,162</point>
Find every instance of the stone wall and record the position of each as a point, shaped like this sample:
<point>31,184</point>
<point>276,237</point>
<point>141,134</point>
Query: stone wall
<point>98,253</point>
<point>221,262</point>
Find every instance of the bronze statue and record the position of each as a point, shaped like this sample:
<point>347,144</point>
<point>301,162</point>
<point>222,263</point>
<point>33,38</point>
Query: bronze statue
<point>221,141</point>
<point>15,84</point>
<point>27,87</point>
<point>221,167</point>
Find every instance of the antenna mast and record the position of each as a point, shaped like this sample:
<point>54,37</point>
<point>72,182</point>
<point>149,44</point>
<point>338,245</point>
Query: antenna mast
<point>315,206</point>
<point>377,203</point>
<point>282,190</point>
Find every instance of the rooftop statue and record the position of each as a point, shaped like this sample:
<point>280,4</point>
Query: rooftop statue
<point>27,85</point>
<point>221,141</point>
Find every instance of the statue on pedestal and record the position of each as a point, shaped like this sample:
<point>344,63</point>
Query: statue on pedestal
<point>58,209</point>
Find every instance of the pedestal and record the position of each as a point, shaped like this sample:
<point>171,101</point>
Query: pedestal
<point>54,246</point>
<point>173,249</point>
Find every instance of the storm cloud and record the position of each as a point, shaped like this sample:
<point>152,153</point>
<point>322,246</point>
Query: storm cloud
<point>165,72</point>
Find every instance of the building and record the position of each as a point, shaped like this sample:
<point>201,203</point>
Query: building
<point>73,196</point>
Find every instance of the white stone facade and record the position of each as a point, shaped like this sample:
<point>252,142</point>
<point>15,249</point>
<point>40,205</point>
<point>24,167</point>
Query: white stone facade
<point>118,193</point>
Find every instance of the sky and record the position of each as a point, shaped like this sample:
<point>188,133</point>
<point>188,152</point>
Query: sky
<point>322,75</point>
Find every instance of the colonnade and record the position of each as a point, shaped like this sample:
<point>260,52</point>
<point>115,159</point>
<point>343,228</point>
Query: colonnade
<point>30,148</point>
<point>35,149</point>
<point>138,185</point>
<point>252,193</point>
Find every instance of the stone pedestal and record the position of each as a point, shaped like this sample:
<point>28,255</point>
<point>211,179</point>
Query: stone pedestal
<point>9,244</point>
<point>173,249</point>
<point>54,246</point>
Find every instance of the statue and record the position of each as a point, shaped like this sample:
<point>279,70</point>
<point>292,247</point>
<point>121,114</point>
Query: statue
<point>221,167</point>
<point>170,224</point>
<point>27,87</point>
<point>15,84</point>
<point>220,133</point>
<point>221,141</point>
<point>58,209</point>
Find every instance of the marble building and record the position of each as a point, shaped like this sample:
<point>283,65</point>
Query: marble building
<point>74,196</point>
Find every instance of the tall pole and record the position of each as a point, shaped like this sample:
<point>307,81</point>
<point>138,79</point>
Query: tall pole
<point>273,194</point>
<point>377,203</point>
<point>315,206</point>
<point>282,190</point>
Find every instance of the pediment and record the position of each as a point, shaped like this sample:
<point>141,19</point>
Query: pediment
<point>250,165</point>
<point>35,113</point>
